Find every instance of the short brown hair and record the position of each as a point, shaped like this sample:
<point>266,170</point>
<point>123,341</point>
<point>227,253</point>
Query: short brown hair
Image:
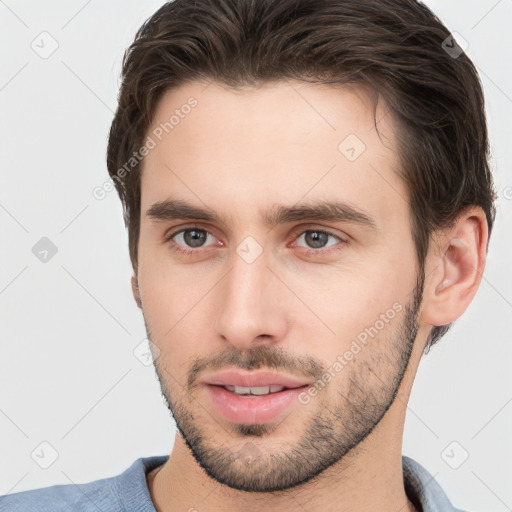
<point>395,48</point>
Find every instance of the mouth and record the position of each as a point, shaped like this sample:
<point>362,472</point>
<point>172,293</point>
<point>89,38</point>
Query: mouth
<point>253,398</point>
<point>253,405</point>
<point>257,382</point>
<point>258,390</point>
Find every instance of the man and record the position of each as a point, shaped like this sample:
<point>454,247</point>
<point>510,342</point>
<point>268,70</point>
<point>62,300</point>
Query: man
<point>308,199</point>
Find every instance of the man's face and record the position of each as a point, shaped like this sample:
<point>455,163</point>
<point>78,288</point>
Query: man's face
<point>327,303</point>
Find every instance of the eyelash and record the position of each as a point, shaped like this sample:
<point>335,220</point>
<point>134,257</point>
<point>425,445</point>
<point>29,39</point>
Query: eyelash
<point>309,251</point>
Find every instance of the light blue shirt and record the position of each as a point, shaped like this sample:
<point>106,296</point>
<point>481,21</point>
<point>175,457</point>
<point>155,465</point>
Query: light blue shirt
<point>129,492</point>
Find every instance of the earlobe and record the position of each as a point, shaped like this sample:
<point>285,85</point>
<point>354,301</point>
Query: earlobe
<point>457,269</point>
<point>136,291</point>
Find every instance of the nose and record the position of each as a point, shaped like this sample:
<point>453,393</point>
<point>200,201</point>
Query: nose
<point>251,305</point>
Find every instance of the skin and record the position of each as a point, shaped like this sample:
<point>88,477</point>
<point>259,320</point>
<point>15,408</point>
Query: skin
<point>239,153</point>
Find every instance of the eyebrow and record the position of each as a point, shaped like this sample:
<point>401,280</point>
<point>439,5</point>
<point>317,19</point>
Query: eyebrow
<point>330,211</point>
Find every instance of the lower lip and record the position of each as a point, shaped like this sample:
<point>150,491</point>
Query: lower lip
<point>252,410</point>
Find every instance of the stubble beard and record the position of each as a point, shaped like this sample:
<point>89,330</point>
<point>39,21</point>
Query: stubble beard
<point>329,433</point>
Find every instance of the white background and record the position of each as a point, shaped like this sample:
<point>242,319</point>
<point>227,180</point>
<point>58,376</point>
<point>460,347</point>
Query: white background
<point>68,375</point>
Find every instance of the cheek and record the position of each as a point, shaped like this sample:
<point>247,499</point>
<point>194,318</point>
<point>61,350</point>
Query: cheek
<point>164,289</point>
<point>164,299</point>
<point>175,302</point>
<point>347,303</point>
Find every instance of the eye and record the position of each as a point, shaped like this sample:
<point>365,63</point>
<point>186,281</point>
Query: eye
<point>191,238</point>
<point>318,239</point>
<point>312,241</point>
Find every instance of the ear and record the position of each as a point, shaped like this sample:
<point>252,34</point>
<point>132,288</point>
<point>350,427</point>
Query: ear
<point>136,291</point>
<point>454,268</point>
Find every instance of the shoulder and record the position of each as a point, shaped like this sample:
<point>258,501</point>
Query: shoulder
<point>423,489</point>
<point>59,498</point>
<point>110,494</point>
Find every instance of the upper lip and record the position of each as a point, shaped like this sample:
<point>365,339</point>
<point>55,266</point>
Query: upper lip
<point>253,379</point>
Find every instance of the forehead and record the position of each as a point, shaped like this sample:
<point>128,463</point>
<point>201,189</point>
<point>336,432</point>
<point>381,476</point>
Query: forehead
<point>277,143</point>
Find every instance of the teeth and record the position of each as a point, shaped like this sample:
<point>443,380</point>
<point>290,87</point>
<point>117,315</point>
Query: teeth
<point>259,390</point>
